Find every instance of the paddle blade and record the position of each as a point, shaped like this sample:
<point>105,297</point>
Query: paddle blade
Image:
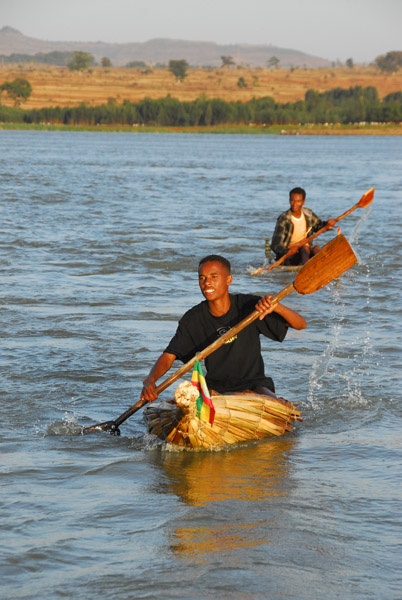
<point>258,271</point>
<point>367,198</point>
<point>332,260</point>
<point>108,427</point>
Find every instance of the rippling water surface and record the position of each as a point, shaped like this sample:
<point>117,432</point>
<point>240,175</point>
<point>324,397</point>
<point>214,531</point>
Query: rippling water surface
<point>100,236</point>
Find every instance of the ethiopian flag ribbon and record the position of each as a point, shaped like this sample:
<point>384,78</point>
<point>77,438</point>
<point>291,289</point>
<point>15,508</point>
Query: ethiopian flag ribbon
<point>205,408</point>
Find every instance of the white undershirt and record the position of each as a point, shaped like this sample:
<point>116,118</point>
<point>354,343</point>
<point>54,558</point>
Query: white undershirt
<point>299,228</point>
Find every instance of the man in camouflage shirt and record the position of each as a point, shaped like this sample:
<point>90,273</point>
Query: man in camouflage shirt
<point>295,224</point>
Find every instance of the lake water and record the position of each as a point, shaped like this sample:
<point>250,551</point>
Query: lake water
<point>100,237</point>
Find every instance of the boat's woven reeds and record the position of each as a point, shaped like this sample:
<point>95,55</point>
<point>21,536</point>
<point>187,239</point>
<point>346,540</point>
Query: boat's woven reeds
<point>238,417</point>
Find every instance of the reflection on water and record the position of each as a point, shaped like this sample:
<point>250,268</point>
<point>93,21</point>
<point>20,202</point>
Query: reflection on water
<point>198,543</point>
<point>259,474</point>
<point>256,472</point>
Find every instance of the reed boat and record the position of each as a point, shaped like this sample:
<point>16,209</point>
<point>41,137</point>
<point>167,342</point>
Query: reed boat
<point>272,260</point>
<point>289,268</point>
<point>239,417</point>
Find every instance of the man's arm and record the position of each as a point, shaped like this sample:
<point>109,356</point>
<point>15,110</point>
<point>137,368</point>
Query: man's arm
<point>162,365</point>
<point>292,318</point>
<point>281,235</point>
<point>316,223</point>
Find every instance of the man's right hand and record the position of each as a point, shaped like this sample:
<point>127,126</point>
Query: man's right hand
<point>149,393</point>
<point>292,249</point>
<point>162,365</point>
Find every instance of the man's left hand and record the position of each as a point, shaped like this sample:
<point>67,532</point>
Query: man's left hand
<point>264,306</point>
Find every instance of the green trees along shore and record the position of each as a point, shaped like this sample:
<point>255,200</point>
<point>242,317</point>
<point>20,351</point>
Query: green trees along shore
<point>353,105</point>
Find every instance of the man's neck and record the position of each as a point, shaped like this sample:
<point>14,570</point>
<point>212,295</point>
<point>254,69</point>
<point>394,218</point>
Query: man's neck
<point>220,307</point>
<point>297,215</point>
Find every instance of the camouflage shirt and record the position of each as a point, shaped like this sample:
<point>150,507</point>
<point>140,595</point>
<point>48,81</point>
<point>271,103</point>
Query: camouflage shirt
<point>284,229</point>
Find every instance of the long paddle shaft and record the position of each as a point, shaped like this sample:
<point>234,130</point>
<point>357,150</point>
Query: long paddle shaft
<point>334,259</point>
<point>364,201</point>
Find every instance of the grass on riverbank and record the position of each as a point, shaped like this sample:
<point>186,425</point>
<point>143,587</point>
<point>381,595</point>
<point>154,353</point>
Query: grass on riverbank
<point>308,129</point>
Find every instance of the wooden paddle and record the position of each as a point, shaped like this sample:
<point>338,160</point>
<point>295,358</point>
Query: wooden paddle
<point>364,201</point>
<point>334,259</point>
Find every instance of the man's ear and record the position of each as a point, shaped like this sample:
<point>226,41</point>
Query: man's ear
<point>229,279</point>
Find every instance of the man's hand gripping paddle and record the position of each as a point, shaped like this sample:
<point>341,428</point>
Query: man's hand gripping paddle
<point>335,258</point>
<point>364,201</point>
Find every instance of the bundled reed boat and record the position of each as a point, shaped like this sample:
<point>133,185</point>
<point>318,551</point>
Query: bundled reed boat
<point>239,417</point>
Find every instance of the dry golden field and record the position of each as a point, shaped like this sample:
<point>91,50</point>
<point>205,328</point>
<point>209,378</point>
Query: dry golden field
<point>58,86</point>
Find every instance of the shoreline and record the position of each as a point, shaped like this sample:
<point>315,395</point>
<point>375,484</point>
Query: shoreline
<point>308,129</point>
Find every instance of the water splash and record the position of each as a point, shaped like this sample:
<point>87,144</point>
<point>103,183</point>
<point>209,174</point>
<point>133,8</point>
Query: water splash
<point>68,426</point>
<point>363,218</point>
<point>346,361</point>
<point>250,269</point>
<point>353,353</point>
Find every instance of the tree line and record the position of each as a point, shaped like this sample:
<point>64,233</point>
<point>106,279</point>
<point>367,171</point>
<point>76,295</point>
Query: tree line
<point>80,60</point>
<point>56,57</point>
<point>352,105</point>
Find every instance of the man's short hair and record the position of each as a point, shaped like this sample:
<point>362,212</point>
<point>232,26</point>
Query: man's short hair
<point>216,258</point>
<point>297,190</point>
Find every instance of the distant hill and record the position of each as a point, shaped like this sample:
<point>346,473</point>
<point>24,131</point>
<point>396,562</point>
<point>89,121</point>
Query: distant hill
<point>161,51</point>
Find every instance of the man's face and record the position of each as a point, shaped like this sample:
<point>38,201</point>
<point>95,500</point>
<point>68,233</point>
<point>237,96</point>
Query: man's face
<point>296,202</point>
<point>214,280</point>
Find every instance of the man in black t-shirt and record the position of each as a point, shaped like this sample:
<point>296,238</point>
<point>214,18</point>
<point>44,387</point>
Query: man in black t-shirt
<point>237,365</point>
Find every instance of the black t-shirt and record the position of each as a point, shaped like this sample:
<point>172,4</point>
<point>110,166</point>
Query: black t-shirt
<point>237,365</point>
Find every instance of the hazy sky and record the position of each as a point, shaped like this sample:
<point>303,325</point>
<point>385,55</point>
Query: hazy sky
<point>358,29</point>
